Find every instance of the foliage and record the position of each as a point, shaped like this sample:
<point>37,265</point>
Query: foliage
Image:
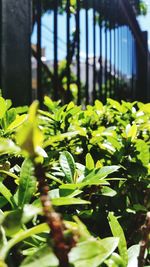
<point>91,166</point>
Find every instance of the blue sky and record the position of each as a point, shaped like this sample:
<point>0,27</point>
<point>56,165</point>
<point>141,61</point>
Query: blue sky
<point>47,34</point>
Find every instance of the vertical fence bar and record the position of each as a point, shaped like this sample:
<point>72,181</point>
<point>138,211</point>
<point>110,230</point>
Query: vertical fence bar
<point>78,51</point>
<point>115,61</point>
<point>110,64</point>
<point>55,50</point>
<point>100,58</point>
<point>87,52</point>
<point>133,65</point>
<point>16,51</point>
<point>68,50</point>
<point>94,52</point>
<point>134,74</point>
<point>128,56</point>
<point>39,63</point>
<point>106,76</point>
<point>120,36</point>
<point>118,59</point>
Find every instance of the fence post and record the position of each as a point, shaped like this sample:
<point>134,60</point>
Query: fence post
<point>15,51</point>
<point>142,70</point>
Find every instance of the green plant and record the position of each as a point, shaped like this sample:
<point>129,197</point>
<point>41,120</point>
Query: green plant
<point>62,173</point>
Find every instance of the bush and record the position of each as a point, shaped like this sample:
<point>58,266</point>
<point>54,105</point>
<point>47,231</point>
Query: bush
<point>74,184</point>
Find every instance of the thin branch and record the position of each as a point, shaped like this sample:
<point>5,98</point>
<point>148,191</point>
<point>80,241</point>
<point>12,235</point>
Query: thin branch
<point>61,246</point>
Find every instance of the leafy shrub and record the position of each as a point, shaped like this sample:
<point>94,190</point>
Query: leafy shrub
<point>89,165</point>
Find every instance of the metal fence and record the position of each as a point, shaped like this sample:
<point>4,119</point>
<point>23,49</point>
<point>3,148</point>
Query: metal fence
<point>115,61</point>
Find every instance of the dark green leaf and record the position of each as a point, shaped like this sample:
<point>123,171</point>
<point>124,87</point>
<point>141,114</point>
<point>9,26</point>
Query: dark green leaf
<point>12,222</point>
<point>27,183</point>
<point>68,166</point>
<point>3,201</point>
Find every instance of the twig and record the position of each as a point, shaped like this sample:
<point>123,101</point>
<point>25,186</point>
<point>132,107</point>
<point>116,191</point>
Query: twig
<point>145,240</point>
<point>54,220</point>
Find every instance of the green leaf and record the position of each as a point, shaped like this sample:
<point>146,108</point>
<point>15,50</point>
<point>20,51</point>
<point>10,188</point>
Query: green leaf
<point>118,232</point>
<point>27,183</point>
<point>100,174</point>
<point>3,107</point>
<point>145,108</point>
<point>29,212</point>
<point>41,228</point>
<point>82,185</point>
<point>115,261</point>
<point>22,109</point>
<point>3,240</point>
<point>43,256</point>
<point>133,253</point>
<point>89,162</point>
<point>3,201</point>
<point>68,166</point>
<point>115,104</point>
<point>7,146</point>
<point>29,136</point>
<point>63,201</point>
<point>107,191</point>
<point>56,193</point>
<point>132,132</point>
<point>82,229</point>
<point>92,252</point>
<point>12,222</point>
<point>99,106</point>
<point>143,152</point>
<point>6,193</point>
<point>10,116</point>
<point>60,137</point>
<point>17,122</point>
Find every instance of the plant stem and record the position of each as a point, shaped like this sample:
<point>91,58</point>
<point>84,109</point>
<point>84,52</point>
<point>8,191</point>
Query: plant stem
<point>145,240</point>
<point>53,219</point>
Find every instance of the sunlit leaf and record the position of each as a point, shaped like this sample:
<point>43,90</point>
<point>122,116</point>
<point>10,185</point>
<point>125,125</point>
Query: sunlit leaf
<point>132,132</point>
<point>43,256</point>
<point>143,151</point>
<point>118,232</point>
<point>17,122</point>
<point>6,193</point>
<point>63,201</point>
<point>89,162</point>
<point>7,146</point>
<point>3,107</point>
<point>92,252</point>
